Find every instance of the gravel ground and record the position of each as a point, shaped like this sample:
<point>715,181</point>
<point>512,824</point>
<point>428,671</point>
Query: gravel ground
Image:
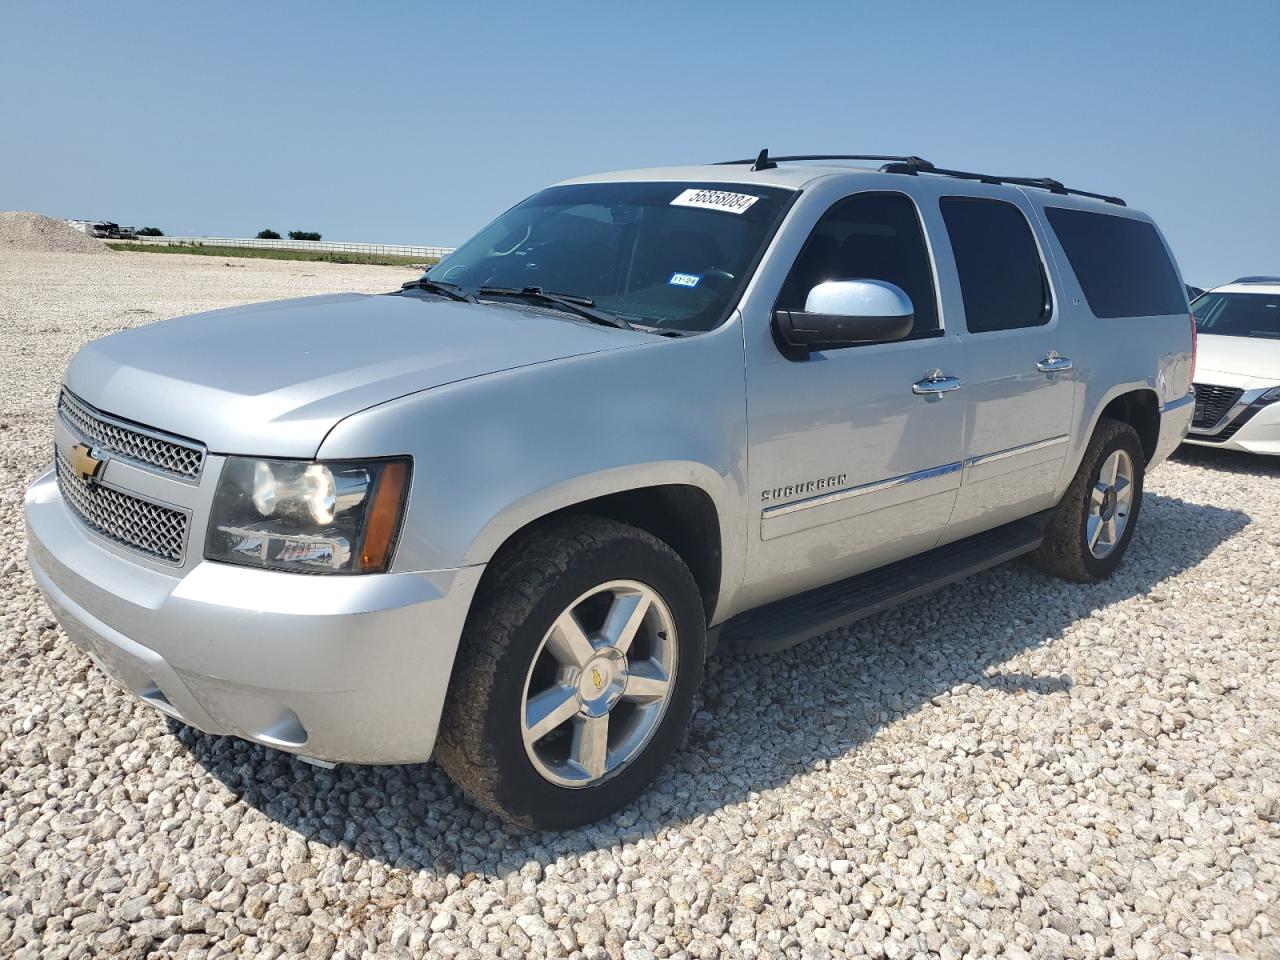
<point>1015,766</point>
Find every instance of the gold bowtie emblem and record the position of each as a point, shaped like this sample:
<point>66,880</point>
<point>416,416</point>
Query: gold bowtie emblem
<point>84,463</point>
<point>597,679</point>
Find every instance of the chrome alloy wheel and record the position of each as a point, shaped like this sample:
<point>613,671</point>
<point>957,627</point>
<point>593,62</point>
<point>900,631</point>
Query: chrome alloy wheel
<point>1110,503</point>
<point>599,684</point>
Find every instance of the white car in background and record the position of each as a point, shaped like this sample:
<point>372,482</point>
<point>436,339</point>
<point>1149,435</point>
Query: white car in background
<point>1237,373</point>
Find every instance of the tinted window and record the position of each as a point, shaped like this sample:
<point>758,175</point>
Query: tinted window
<point>1002,279</point>
<point>1123,268</point>
<point>659,254</point>
<point>1239,315</point>
<point>869,236</point>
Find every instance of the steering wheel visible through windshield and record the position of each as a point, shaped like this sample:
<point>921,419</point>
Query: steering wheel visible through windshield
<point>1238,315</point>
<point>670,255</point>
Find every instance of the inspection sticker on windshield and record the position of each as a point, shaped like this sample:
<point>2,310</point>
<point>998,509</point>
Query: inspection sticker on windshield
<point>721,200</point>
<point>685,280</point>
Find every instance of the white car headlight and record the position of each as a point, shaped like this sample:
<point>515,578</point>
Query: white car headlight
<point>1270,396</point>
<point>337,517</point>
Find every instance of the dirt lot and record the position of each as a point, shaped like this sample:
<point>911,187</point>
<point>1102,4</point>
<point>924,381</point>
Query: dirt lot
<point>1015,766</point>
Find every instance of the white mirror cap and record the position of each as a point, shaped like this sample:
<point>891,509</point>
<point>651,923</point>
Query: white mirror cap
<point>859,298</point>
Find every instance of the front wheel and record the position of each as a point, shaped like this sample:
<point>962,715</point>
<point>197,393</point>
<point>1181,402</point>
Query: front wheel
<point>577,673</point>
<point>1094,522</point>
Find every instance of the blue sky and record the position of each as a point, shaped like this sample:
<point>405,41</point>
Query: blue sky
<point>416,123</point>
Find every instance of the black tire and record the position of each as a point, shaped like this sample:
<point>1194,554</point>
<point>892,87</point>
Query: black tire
<point>527,586</point>
<point>1065,550</point>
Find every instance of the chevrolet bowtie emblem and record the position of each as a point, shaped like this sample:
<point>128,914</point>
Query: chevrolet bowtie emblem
<point>84,463</point>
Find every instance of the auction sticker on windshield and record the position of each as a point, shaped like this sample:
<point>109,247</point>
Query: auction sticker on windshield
<point>721,200</point>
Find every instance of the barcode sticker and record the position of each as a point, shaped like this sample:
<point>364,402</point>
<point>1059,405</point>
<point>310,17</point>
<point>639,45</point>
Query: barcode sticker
<point>721,200</point>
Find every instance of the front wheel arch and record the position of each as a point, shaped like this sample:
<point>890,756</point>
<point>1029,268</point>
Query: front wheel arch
<point>683,515</point>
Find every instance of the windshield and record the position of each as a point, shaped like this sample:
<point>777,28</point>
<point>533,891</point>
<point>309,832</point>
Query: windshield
<point>667,255</point>
<point>1238,314</point>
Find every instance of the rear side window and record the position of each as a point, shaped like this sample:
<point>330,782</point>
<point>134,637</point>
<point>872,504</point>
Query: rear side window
<point>1123,267</point>
<point>1002,279</point>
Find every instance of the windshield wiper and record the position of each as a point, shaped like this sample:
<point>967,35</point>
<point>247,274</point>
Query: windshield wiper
<point>582,306</point>
<point>450,290</point>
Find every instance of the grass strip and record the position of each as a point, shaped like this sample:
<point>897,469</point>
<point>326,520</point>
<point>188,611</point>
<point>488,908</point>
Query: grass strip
<point>258,253</point>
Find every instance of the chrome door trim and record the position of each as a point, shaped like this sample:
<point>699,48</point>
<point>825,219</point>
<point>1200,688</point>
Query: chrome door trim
<point>1015,451</point>
<point>935,383</point>
<point>1054,364</point>
<point>782,509</point>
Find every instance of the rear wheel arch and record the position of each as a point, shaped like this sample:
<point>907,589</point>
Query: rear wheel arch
<point>1140,409</point>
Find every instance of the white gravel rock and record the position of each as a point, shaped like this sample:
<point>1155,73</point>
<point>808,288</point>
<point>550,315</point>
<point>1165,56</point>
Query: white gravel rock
<point>33,232</point>
<point>1015,766</point>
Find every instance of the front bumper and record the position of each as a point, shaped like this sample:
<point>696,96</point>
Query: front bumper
<point>340,668</point>
<point>1252,426</point>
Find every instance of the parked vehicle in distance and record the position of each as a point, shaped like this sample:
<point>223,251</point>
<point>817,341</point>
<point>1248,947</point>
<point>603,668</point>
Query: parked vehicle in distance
<point>1193,292</point>
<point>1238,367</point>
<point>505,513</point>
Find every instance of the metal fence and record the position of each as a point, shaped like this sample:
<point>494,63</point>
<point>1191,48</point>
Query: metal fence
<point>327,246</point>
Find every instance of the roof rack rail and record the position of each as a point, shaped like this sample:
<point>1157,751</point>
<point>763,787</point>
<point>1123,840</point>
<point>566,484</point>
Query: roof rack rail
<point>765,162</point>
<point>1256,280</point>
<point>912,166</point>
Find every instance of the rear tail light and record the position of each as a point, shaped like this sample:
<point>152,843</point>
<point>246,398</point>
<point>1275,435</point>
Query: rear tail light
<point>1194,336</point>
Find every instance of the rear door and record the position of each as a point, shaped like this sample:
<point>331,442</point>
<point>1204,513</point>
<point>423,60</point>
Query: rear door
<point>1020,377</point>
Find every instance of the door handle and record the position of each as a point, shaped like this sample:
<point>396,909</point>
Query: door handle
<point>935,383</point>
<point>1054,364</point>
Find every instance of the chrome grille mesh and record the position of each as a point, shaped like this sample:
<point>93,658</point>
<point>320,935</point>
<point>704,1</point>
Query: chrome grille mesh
<point>170,454</point>
<point>1212,404</point>
<point>145,526</point>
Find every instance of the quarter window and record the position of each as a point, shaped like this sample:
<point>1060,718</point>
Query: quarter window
<point>1002,279</point>
<point>1123,267</point>
<point>868,236</point>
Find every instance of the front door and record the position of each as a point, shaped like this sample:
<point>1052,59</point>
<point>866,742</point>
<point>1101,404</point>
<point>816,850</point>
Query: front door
<point>1020,377</point>
<point>850,467</point>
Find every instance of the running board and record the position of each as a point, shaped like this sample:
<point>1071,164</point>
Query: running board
<point>784,623</point>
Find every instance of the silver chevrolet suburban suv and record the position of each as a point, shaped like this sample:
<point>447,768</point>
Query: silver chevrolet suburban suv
<point>503,515</point>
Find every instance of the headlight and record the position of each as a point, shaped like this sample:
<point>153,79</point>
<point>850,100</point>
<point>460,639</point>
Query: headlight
<point>308,517</point>
<point>1270,396</point>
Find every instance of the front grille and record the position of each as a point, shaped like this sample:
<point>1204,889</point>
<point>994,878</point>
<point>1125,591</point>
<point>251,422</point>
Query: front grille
<point>1212,404</point>
<point>145,526</point>
<point>182,458</point>
<point>1230,430</point>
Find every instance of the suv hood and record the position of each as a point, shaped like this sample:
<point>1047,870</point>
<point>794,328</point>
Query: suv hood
<point>272,379</point>
<point>1241,358</point>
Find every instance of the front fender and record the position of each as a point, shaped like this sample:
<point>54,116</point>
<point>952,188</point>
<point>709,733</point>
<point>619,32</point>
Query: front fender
<point>579,489</point>
<point>494,453</point>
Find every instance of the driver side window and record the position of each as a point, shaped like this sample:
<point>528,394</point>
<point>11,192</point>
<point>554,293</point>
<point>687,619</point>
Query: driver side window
<point>868,236</point>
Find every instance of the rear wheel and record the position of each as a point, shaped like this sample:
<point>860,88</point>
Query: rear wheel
<point>577,673</point>
<point>1094,522</point>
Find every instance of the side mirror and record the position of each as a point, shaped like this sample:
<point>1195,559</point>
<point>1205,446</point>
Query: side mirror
<point>845,313</point>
